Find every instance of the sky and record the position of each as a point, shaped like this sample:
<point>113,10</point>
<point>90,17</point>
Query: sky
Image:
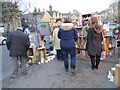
<point>65,6</point>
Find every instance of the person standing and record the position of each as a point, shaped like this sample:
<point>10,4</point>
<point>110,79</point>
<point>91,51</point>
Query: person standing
<point>18,43</point>
<point>84,33</point>
<point>56,40</point>
<point>94,42</point>
<point>68,36</point>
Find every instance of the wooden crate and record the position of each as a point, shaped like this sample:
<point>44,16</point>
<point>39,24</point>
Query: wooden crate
<point>117,75</point>
<point>32,54</point>
<point>43,50</point>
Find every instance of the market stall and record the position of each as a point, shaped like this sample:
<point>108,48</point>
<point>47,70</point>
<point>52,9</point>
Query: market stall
<point>81,42</point>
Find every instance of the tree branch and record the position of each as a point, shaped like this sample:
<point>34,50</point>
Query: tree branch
<point>26,9</point>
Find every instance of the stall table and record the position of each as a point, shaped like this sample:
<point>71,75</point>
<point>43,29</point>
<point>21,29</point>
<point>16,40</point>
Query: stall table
<point>32,54</point>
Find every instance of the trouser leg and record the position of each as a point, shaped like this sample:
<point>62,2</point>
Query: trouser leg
<point>23,65</point>
<point>58,54</point>
<point>72,52</point>
<point>97,61</point>
<point>15,65</point>
<point>92,61</point>
<point>65,57</point>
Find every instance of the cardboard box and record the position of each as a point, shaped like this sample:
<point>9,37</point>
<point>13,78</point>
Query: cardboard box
<point>117,75</point>
<point>113,71</point>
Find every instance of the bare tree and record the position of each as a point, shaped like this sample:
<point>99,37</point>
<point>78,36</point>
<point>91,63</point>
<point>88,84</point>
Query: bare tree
<point>11,12</point>
<point>8,12</point>
<point>118,19</point>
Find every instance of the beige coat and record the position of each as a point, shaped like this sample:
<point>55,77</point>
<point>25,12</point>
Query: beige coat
<point>55,39</point>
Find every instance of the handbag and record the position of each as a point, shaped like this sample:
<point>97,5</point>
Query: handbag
<point>104,46</point>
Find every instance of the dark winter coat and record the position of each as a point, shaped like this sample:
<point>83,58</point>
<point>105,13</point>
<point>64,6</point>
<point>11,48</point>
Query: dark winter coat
<point>94,42</point>
<point>17,43</point>
<point>67,35</point>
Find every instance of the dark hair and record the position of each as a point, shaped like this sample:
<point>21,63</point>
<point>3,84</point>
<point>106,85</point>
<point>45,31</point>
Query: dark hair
<point>59,19</point>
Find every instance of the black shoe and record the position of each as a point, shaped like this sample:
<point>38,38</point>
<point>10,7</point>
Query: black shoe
<point>73,72</point>
<point>58,59</point>
<point>61,60</point>
<point>13,76</point>
<point>93,67</point>
<point>66,69</point>
<point>96,67</point>
<point>24,73</point>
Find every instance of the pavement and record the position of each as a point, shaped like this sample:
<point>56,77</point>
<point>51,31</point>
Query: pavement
<point>53,75</point>
<point>7,65</point>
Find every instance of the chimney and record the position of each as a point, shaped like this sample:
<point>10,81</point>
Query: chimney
<point>50,8</point>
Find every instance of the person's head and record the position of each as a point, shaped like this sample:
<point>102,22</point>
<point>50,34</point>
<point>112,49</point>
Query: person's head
<point>94,23</point>
<point>58,22</point>
<point>59,19</point>
<point>20,28</point>
<point>67,20</point>
<point>94,20</point>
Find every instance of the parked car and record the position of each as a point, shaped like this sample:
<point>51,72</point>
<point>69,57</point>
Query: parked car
<point>5,34</point>
<point>2,40</point>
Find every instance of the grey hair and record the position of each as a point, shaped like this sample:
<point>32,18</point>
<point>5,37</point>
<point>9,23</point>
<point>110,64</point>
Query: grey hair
<point>67,20</point>
<point>94,19</point>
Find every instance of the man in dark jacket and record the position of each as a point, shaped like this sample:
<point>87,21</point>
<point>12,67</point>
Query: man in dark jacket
<point>94,42</point>
<point>18,44</point>
<point>68,36</point>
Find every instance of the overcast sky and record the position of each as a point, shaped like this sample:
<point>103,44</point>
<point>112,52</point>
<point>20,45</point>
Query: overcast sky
<point>64,6</point>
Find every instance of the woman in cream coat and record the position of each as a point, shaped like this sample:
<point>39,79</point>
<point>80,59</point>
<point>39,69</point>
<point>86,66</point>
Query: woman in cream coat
<point>56,40</point>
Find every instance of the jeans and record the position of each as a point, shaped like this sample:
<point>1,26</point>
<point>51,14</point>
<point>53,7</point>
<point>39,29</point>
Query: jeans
<point>65,53</point>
